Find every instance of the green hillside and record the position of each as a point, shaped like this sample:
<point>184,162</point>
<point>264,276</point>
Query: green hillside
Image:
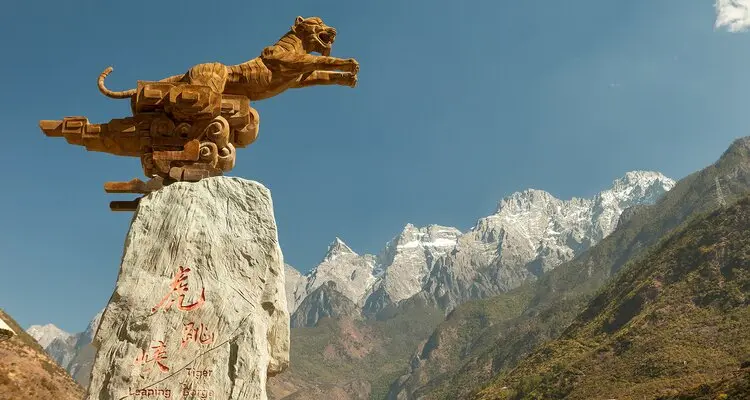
<point>558,296</point>
<point>674,322</point>
<point>346,351</point>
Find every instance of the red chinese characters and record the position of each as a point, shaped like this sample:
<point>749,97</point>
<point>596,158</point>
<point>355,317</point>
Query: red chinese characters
<point>196,333</point>
<point>192,332</point>
<point>157,356</point>
<point>179,286</point>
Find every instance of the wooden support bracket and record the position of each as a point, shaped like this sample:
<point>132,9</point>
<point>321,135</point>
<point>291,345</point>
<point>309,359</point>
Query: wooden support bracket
<point>124,205</point>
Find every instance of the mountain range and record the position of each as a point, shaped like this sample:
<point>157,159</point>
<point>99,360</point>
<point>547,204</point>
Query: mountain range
<point>638,292</point>
<point>529,234</point>
<point>486,339</point>
<point>74,352</point>
<point>674,319</point>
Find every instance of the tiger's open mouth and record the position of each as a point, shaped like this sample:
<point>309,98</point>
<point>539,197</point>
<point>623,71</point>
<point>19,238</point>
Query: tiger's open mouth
<point>326,39</point>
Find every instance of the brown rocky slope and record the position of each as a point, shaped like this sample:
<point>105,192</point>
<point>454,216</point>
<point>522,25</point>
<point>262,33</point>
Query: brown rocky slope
<point>28,373</point>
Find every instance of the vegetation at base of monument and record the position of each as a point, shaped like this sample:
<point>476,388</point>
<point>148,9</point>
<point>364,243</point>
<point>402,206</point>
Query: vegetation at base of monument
<point>338,351</point>
<point>673,323</point>
<point>558,296</point>
<point>28,373</point>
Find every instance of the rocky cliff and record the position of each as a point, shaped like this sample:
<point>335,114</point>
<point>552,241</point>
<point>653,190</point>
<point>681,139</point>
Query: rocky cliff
<point>532,232</point>
<point>325,301</point>
<point>529,234</point>
<point>199,308</point>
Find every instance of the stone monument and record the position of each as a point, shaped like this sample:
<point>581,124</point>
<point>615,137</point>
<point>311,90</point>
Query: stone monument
<point>187,127</point>
<point>199,309</point>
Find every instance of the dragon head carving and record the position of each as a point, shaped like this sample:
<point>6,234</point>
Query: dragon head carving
<point>316,36</point>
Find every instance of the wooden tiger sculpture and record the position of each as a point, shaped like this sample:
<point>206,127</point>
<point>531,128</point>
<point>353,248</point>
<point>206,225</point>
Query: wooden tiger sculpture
<point>186,127</point>
<point>287,64</point>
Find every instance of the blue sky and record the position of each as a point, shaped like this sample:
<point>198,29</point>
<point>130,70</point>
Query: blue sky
<point>458,105</point>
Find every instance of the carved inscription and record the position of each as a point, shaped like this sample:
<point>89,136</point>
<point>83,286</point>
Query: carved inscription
<point>179,286</point>
<point>198,333</point>
<point>157,356</point>
<point>194,331</point>
<point>198,374</point>
<point>166,393</point>
<point>199,393</point>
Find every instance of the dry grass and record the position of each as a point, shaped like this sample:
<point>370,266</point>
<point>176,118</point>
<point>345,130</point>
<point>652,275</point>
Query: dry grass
<point>28,373</point>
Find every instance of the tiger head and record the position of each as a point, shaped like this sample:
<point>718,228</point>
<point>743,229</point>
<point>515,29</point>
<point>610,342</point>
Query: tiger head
<point>316,36</point>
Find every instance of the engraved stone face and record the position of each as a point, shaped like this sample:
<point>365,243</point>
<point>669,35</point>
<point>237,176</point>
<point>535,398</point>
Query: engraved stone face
<point>199,310</point>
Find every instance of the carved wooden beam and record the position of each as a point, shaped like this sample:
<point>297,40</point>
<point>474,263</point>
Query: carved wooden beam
<point>124,205</point>
<point>190,152</point>
<point>135,186</point>
<point>193,173</point>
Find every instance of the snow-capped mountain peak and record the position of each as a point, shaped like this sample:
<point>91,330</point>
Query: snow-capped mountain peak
<point>352,273</point>
<point>407,259</point>
<point>432,236</point>
<point>535,229</point>
<point>46,334</point>
<point>638,186</point>
<point>69,350</point>
<point>337,248</point>
<point>523,202</point>
<point>530,232</point>
<point>635,188</point>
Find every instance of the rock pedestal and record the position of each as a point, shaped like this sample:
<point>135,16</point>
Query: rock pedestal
<point>199,311</point>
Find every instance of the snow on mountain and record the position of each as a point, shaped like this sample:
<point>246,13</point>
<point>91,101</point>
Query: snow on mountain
<point>373,282</point>
<point>352,273</point>
<point>635,188</point>
<point>529,233</point>
<point>532,232</point>
<point>534,226</point>
<point>81,362</point>
<point>46,334</point>
<point>407,260</point>
<point>68,349</point>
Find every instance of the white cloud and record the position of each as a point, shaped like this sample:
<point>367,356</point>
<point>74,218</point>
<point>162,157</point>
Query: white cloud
<point>733,14</point>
